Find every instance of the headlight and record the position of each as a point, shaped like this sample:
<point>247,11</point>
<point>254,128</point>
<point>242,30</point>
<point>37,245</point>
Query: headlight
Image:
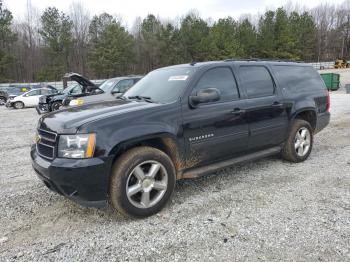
<point>76,102</point>
<point>77,146</point>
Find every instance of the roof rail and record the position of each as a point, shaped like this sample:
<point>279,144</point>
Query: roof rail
<point>262,60</point>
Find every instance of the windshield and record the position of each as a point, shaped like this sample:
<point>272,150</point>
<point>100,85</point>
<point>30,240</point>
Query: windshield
<point>70,88</point>
<point>163,85</point>
<point>107,85</point>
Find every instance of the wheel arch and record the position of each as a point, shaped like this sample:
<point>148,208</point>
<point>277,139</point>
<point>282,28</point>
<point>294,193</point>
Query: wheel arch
<point>308,114</point>
<point>165,142</point>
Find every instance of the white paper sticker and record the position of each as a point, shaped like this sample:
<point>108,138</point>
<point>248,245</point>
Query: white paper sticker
<point>178,78</point>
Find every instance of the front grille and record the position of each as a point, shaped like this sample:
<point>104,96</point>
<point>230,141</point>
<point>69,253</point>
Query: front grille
<point>46,144</point>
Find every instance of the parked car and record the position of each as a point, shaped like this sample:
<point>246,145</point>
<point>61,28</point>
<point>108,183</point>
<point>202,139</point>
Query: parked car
<point>179,122</point>
<point>16,90</point>
<point>82,87</point>
<point>30,98</point>
<point>111,88</point>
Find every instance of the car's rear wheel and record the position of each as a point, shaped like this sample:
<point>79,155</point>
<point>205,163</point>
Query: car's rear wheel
<point>56,105</point>
<point>142,182</point>
<point>18,105</point>
<point>299,143</point>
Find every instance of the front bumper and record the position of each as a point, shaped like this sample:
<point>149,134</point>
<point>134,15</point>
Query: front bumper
<point>85,181</point>
<point>9,103</point>
<point>42,108</point>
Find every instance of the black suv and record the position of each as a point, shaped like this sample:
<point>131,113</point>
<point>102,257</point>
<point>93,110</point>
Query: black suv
<point>179,122</point>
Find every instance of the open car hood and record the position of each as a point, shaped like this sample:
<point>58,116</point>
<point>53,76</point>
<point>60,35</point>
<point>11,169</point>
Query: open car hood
<point>83,81</point>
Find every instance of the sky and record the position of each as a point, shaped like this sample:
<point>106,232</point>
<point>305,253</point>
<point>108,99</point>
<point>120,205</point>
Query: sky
<point>130,9</point>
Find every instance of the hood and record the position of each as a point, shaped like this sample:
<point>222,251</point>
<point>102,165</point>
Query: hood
<point>96,98</point>
<point>83,81</point>
<point>69,120</point>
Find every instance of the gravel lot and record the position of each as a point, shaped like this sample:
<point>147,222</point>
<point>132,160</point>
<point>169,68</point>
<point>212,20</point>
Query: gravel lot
<point>266,210</point>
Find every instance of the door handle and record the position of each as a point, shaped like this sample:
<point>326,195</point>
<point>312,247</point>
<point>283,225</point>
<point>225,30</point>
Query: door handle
<point>277,105</point>
<point>238,111</point>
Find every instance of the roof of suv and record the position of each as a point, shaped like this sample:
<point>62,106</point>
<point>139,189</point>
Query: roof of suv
<point>241,61</point>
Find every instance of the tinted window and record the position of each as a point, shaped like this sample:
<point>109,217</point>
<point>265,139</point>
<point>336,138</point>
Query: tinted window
<point>164,85</point>
<point>298,78</point>
<point>35,92</point>
<point>257,81</point>
<point>76,90</point>
<point>123,85</point>
<point>107,85</point>
<point>46,91</point>
<point>222,79</point>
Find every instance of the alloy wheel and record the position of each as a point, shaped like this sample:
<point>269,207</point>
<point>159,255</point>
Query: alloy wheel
<point>147,184</point>
<point>302,141</point>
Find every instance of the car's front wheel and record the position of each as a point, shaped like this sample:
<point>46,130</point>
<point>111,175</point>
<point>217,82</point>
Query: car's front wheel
<point>18,105</point>
<point>142,182</point>
<point>299,143</point>
<point>56,106</point>
<point>2,100</point>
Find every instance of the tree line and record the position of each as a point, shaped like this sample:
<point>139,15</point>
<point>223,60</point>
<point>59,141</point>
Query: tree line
<point>43,46</point>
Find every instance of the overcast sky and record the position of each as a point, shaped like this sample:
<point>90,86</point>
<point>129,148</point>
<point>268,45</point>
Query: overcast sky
<point>129,9</point>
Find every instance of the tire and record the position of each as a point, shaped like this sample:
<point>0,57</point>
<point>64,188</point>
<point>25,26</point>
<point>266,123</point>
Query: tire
<point>56,106</point>
<point>126,176</point>
<point>18,105</point>
<point>298,146</point>
<point>2,100</point>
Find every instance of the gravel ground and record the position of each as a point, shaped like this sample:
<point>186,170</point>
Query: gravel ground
<point>264,210</point>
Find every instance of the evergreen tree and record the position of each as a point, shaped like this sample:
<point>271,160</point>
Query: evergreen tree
<point>194,34</point>
<point>223,41</point>
<point>266,35</point>
<point>246,36</point>
<point>113,53</point>
<point>7,38</point>
<point>57,34</point>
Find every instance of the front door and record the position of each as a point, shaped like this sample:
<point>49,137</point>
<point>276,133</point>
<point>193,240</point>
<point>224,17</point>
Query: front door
<point>31,98</point>
<point>215,131</point>
<point>266,113</point>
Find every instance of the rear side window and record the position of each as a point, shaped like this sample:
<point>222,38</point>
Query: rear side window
<point>298,78</point>
<point>222,79</point>
<point>257,81</point>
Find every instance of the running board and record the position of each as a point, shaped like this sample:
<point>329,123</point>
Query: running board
<point>200,171</point>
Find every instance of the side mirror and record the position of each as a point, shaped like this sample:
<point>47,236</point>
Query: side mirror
<point>205,96</point>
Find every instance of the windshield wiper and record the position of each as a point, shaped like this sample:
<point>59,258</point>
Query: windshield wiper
<point>122,97</point>
<point>144,98</point>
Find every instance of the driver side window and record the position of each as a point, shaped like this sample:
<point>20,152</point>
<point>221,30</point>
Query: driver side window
<point>76,90</point>
<point>222,79</point>
<point>33,93</point>
<point>123,86</point>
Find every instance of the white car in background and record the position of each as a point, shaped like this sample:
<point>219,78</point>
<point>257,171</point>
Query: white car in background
<point>30,98</point>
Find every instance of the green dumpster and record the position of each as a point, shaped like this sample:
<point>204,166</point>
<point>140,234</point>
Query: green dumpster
<point>331,80</point>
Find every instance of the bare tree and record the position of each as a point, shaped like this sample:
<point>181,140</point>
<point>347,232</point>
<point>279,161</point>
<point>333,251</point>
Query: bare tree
<point>81,21</point>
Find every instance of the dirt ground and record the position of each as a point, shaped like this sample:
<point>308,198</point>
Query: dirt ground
<point>265,210</point>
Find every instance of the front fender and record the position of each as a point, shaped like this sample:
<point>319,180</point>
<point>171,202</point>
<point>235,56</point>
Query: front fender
<point>135,134</point>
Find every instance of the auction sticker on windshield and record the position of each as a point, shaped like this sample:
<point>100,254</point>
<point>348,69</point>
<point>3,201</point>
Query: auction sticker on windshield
<point>178,78</point>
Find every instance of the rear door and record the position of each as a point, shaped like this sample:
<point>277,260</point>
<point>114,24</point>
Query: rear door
<point>266,112</point>
<point>217,130</point>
